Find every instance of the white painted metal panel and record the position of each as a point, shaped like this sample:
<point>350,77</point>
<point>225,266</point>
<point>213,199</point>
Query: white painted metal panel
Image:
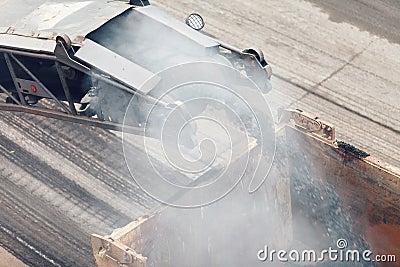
<point>116,66</point>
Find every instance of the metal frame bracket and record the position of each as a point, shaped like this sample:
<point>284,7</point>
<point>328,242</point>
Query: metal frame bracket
<point>308,122</point>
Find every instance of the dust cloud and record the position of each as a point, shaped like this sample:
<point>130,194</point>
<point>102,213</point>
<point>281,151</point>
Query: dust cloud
<point>230,231</point>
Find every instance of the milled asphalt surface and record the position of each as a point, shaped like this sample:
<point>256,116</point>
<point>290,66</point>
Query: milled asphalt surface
<point>60,182</point>
<point>377,17</point>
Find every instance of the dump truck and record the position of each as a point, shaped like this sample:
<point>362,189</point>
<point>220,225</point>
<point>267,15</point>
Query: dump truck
<point>320,191</point>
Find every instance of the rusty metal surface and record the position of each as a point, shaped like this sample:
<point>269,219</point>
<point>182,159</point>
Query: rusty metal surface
<point>367,188</point>
<point>46,19</point>
<point>126,244</point>
<point>110,253</point>
<point>309,123</point>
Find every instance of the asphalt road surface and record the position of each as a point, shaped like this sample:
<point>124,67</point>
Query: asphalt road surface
<point>60,182</point>
<point>378,17</point>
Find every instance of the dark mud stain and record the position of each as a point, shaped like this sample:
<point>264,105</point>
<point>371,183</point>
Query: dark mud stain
<point>381,18</point>
<point>350,149</point>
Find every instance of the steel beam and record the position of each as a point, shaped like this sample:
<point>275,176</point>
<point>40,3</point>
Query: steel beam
<point>72,118</point>
<point>14,77</point>
<point>40,83</point>
<point>9,94</point>
<point>66,89</point>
